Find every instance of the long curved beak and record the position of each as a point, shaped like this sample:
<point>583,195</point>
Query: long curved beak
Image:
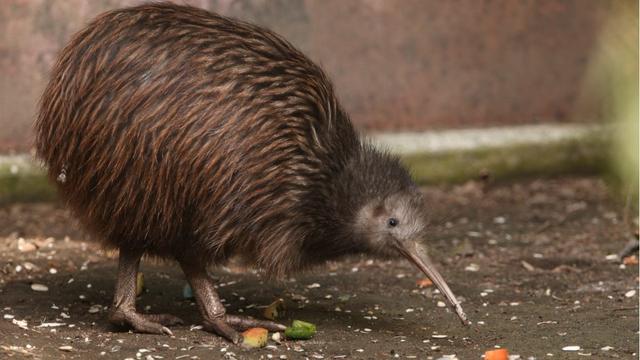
<point>418,256</point>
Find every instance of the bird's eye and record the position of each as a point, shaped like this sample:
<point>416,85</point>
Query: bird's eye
<point>392,222</point>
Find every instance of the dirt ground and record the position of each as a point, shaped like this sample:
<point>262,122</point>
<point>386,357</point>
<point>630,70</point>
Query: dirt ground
<point>528,259</point>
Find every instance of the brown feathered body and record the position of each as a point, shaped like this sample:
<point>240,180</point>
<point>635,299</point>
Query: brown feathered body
<point>188,135</point>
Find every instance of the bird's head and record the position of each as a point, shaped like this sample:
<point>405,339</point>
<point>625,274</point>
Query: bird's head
<point>396,225</point>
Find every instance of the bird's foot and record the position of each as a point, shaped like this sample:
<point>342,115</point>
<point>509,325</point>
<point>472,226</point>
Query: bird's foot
<point>144,323</point>
<point>229,326</point>
<point>246,322</point>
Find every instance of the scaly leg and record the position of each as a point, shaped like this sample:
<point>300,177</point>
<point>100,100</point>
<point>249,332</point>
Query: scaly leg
<point>123,310</point>
<point>213,313</point>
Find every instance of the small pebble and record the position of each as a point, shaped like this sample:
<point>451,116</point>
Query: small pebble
<point>187,292</point>
<point>277,337</point>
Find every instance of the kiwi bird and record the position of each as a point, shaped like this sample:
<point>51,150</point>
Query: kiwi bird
<point>177,133</point>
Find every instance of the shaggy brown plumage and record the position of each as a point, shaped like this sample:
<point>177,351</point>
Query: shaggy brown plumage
<point>182,134</point>
<point>188,134</point>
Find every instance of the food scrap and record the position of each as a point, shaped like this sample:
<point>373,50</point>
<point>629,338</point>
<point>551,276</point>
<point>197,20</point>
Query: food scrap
<point>497,354</point>
<point>255,337</point>
<point>423,283</point>
<point>300,330</point>
<point>139,284</point>
<point>274,310</point>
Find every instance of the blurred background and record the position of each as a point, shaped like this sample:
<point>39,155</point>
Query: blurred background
<point>413,66</point>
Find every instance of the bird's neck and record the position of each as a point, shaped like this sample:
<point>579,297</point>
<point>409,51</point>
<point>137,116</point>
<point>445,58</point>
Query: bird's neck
<point>368,175</point>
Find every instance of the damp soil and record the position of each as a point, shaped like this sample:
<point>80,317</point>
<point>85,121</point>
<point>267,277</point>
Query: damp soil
<point>527,259</point>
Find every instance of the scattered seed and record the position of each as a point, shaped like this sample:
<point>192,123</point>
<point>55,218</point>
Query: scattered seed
<point>39,287</point>
<point>52,324</point>
<point>21,323</point>
<point>65,348</point>
<point>630,293</point>
<point>571,348</point>
<point>527,266</point>
<point>547,322</point>
<point>441,304</point>
<point>24,246</point>
<point>94,309</point>
<point>612,257</point>
<point>313,286</point>
<point>439,336</point>
<point>8,316</point>
<point>472,267</point>
<point>53,271</point>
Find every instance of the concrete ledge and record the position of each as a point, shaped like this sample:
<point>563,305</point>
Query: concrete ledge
<point>450,156</point>
<point>502,153</point>
<point>23,179</point>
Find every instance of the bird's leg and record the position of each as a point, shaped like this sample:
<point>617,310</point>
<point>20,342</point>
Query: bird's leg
<point>209,305</point>
<point>123,310</point>
<point>215,319</point>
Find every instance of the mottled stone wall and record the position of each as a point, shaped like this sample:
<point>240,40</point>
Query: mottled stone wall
<point>410,64</point>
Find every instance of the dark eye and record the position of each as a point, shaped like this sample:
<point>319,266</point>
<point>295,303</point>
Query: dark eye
<point>392,222</point>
